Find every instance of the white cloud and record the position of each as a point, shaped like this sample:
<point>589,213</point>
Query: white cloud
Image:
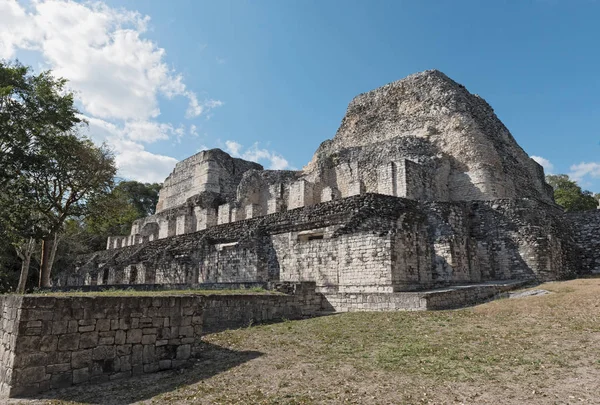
<point>132,160</point>
<point>275,160</point>
<point>233,148</point>
<point>137,163</point>
<point>196,108</point>
<point>116,73</point>
<point>583,169</point>
<point>545,163</point>
<point>147,131</point>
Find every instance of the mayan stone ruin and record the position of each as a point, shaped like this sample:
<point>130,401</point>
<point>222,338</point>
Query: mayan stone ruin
<point>421,187</point>
<point>422,200</point>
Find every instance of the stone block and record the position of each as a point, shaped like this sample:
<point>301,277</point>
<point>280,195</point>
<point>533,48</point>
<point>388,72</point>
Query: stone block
<point>59,327</point>
<point>58,368</point>
<point>224,214</point>
<point>81,358</point>
<point>28,344</point>
<point>81,375</point>
<point>72,327</point>
<point>108,340</point>
<point>183,352</point>
<point>123,350</point>
<point>125,363</point>
<point>103,325</point>
<point>103,353</point>
<point>31,359</point>
<point>149,354</point>
<point>58,357</point>
<point>186,331</point>
<point>134,336</point>
<point>48,343</point>
<point>137,354</point>
<point>68,342</point>
<point>120,337</point>
<point>148,339</point>
<point>87,322</point>
<point>31,375</point>
<point>61,379</point>
<point>88,340</point>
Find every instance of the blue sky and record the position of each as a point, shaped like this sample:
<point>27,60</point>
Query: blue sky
<point>270,80</point>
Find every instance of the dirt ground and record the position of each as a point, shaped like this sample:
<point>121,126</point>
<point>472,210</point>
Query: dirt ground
<point>534,350</point>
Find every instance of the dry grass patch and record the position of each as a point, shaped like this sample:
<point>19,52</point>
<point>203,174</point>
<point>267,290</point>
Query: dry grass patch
<point>534,350</point>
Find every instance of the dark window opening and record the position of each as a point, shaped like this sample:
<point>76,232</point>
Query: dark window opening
<point>306,237</point>
<point>133,275</point>
<point>105,277</point>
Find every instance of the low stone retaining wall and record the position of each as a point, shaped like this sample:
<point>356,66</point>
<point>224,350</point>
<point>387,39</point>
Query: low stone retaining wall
<point>159,287</point>
<point>55,342</point>
<point>447,298</point>
<point>239,310</point>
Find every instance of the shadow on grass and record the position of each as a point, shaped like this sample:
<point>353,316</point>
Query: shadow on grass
<point>213,360</point>
<point>221,327</point>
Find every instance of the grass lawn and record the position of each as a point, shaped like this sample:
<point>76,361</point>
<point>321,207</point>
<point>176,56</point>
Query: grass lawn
<point>533,350</point>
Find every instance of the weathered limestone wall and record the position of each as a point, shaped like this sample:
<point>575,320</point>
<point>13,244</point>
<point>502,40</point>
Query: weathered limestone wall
<point>586,234</point>
<point>432,120</point>
<point>234,311</point>
<point>368,243</point>
<point>208,171</point>
<point>356,262</point>
<point>9,307</point>
<point>424,138</point>
<point>55,342</point>
<point>523,239</point>
<point>447,298</point>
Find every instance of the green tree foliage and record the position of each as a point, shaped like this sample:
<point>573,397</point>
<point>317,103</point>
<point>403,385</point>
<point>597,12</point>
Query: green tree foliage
<point>47,171</point>
<point>110,214</point>
<point>569,195</point>
<point>74,170</point>
<point>106,215</point>
<point>143,196</point>
<point>33,109</point>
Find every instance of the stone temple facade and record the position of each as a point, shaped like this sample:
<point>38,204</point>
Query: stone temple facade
<point>421,187</point>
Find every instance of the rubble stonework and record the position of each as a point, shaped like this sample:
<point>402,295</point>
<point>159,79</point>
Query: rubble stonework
<point>55,342</point>
<point>421,187</point>
<point>586,234</point>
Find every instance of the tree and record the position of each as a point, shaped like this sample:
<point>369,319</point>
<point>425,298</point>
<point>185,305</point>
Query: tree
<point>33,108</point>
<point>569,195</point>
<point>47,171</point>
<point>109,214</point>
<point>77,170</point>
<point>143,196</point>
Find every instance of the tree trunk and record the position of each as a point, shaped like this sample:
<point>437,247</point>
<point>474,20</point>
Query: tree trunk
<point>52,254</point>
<point>44,263</point>
<point>26,257</point>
